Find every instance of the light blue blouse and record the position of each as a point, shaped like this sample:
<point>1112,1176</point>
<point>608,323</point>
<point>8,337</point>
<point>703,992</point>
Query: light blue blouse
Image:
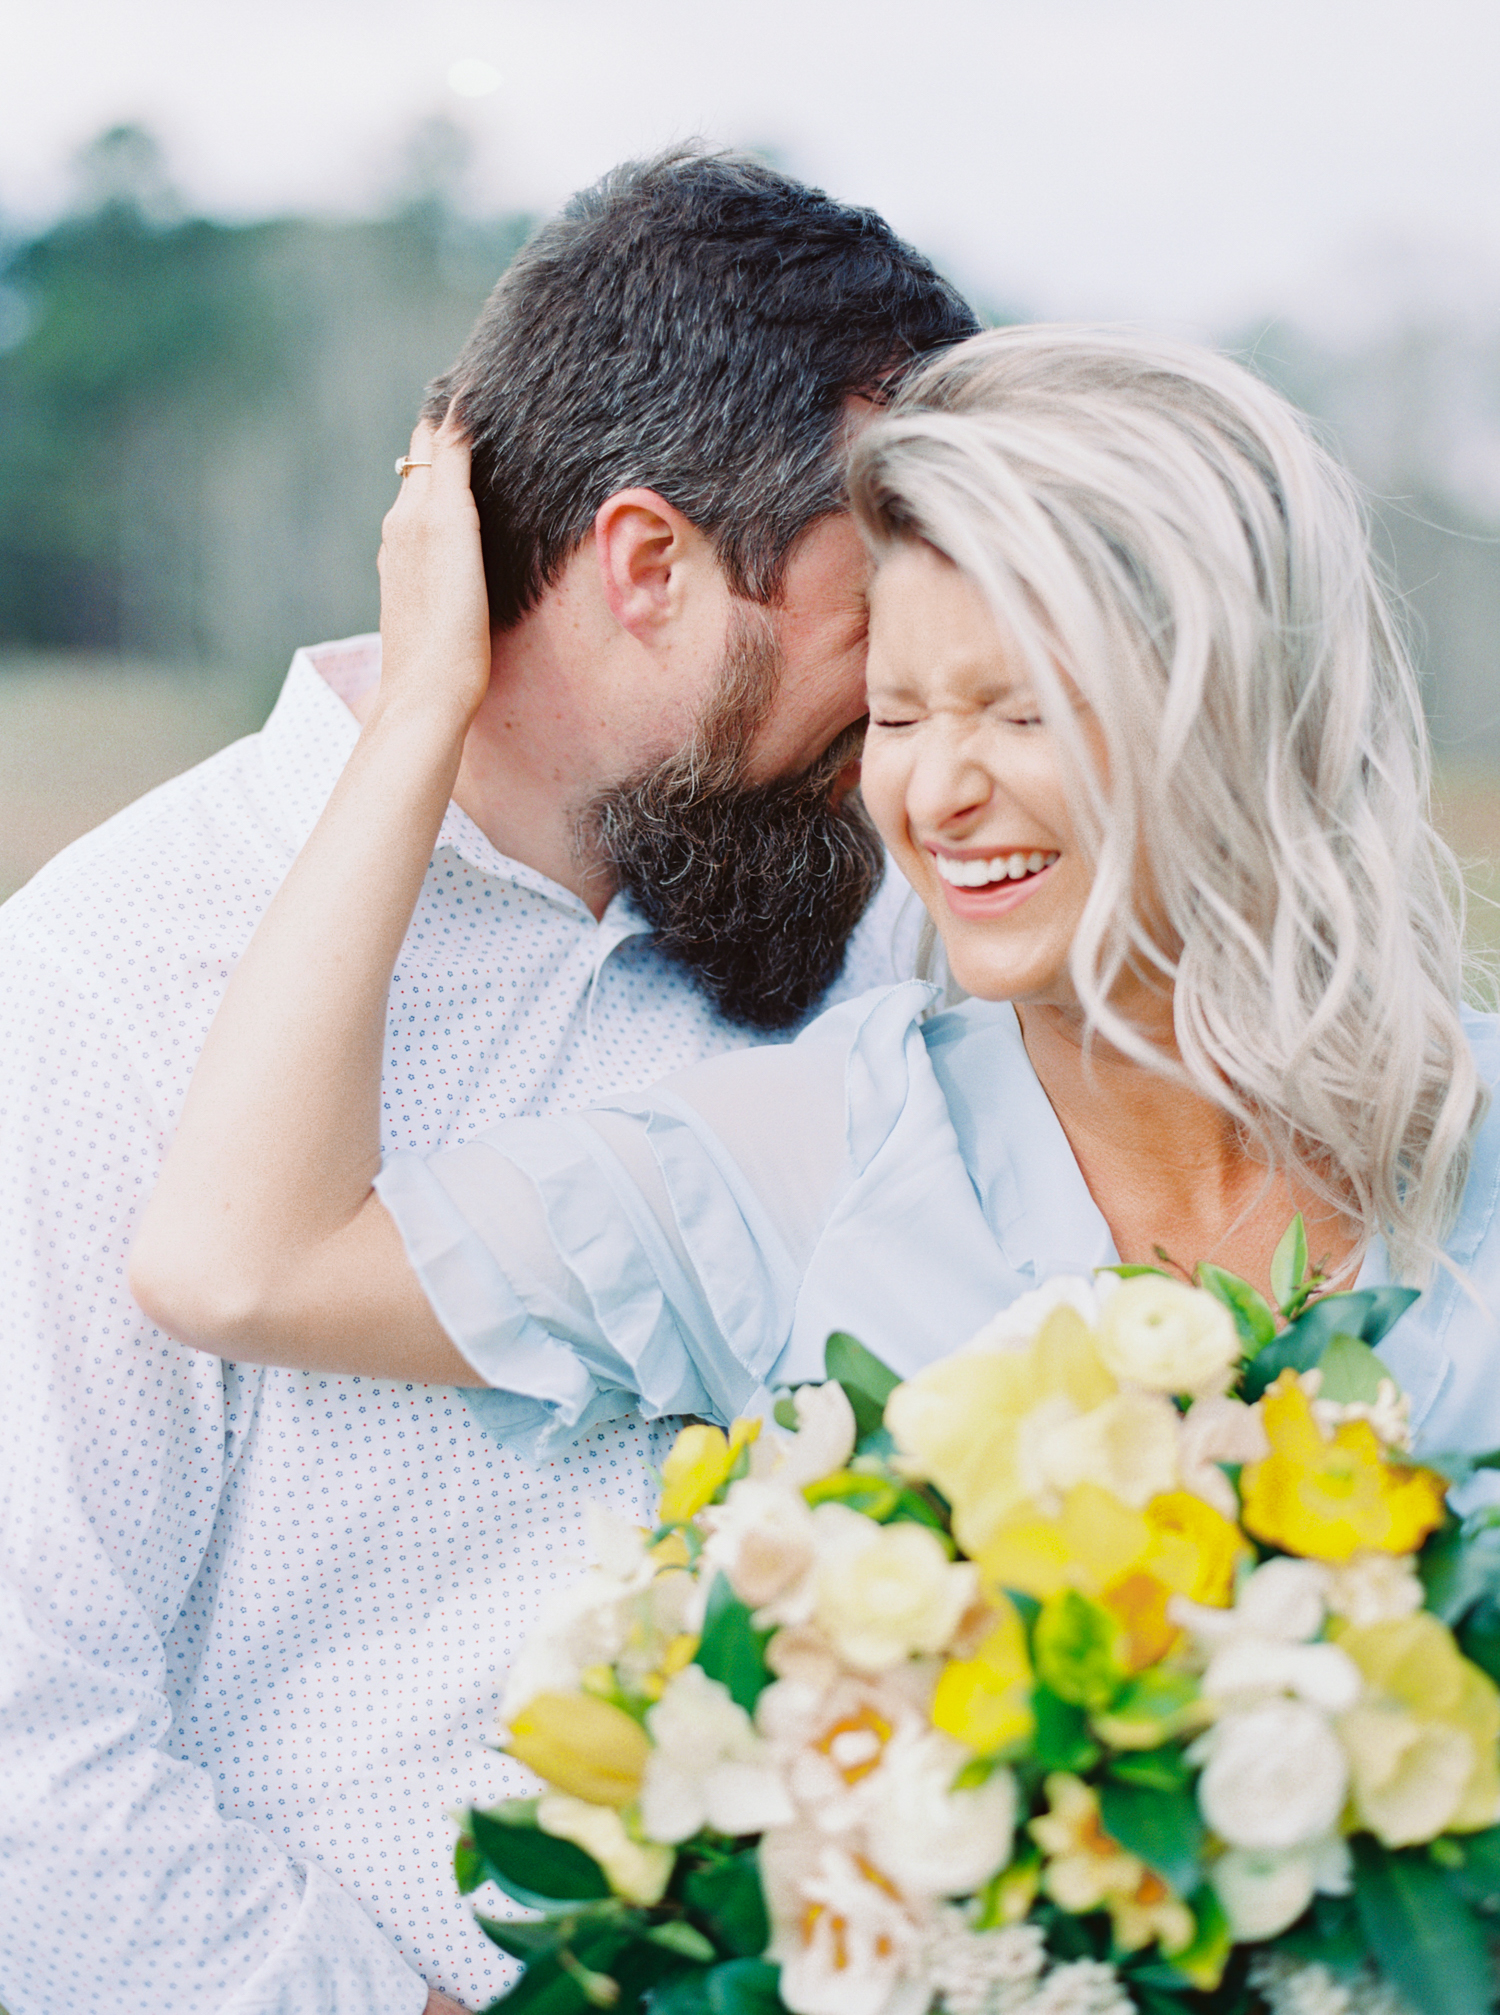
<point>681,1250</point>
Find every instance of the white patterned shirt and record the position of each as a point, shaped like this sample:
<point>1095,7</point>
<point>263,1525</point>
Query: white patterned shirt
<point>254,1624</point>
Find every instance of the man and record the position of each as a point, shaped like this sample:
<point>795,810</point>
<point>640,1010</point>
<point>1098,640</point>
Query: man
<point>253,1625</point>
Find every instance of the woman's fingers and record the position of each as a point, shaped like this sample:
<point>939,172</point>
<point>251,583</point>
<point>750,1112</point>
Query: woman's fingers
<point>434,614</point>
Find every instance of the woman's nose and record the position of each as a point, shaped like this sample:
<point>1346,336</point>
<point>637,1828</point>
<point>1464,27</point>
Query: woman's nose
<point>947,784</point>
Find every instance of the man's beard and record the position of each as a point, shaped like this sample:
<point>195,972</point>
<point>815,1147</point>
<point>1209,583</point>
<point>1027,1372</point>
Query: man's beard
<point>754,888</point>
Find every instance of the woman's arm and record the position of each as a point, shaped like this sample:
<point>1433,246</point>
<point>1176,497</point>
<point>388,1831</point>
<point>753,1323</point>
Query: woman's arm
<point>264,1240</point>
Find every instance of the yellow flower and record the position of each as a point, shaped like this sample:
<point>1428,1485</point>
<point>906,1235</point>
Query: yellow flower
<point>587,1747</point>
<point>1089,1870</point>
<point>985,1701</point>
<point>1422,1743</point>
<point>697,1467</point>
<point>1327,1498</point>
<point>966,1424</point>
<point>1132,1562</point>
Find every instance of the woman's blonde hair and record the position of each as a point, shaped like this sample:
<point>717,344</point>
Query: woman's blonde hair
<point>1149,519</point>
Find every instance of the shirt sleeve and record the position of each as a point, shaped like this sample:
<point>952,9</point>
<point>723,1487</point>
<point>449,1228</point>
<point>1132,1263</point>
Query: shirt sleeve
<point>649,1254</point>
<point>125,1887</point>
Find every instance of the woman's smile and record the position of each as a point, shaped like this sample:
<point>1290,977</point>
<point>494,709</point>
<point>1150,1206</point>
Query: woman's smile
<point>992,885</point>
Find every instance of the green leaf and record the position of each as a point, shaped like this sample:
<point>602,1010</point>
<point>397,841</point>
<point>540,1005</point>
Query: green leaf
<point>526,1938</point>
<point>1460,1565</point>
<point>1254,1317</point>
<point>731,1649</point>
<point>867,1381</point>
<point>1366,1314</point>
<point>1164,1769</point>
<point>745,1987</point>
<point>1423,1936</point>
<point>1479,1637</point>
<point>1474,1867</point>
<point>543,1989</point>
<point>875,1496</point>
<point>1289,1265</point>
<point>1062,1740</point>
<point>684,1993</point>
<point>1162,1827</point>
<point>533,1868</point>
<point>1132,1270</point>
<point>683,1939</point>
<point>1351,1371</point>
<point>727,1900</point>
<point>784,1413</point>
<point>1076,1646</point>
<point>468,1865</point>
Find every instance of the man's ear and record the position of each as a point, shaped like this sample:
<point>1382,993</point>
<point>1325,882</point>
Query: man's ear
<point>649,557</point>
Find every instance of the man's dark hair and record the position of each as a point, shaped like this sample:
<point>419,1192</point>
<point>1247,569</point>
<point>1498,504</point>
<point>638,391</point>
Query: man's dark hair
<point>692,324</point>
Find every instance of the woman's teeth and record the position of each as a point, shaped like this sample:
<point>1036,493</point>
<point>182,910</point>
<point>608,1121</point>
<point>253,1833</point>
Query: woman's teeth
<point>1003,868</point>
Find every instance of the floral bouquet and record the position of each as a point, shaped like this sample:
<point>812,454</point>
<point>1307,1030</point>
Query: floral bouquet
<point>1121,1661</point>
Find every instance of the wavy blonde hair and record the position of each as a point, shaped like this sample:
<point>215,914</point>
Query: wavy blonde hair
<point>1155,523</point>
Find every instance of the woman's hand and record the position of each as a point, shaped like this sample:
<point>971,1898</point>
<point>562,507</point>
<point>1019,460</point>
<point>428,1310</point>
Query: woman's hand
<point>434,612</point>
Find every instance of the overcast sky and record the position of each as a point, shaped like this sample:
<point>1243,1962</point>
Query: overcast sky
<point>1196,162</point>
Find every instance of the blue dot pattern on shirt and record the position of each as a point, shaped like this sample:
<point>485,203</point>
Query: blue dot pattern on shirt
<point>255,1624</point>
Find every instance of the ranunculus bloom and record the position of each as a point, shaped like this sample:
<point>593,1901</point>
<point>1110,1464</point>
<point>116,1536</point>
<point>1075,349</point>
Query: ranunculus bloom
<point>586,1747</point>
<point>1327,1498</point>
<point>885,1592</point>
<point>1128,1446</point>
<point>1422,1743</point>
<point>1167,1336</point>
<point>1276,1776</point>
<point>707,1766</point>
<point>635,1869</point>
<point>928,1838</point>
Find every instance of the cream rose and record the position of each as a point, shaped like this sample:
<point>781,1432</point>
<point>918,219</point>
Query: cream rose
<point>1263,1894</point>
<point>1276,1776</point>
<point>1167,1337</point>
<point>764,1541</point>
<point>885,1592</point>
<point>708,1767</point>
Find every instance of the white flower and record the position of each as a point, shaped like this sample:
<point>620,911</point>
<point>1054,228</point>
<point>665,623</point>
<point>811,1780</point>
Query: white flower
<point>1018,1323</point>
<point>1373,1587</point>
<point>885,1592</point>
<point>1263,1893</point>
<point>1293,1987</point>
<point>1008,1972</point>
<point>1167,1336</point>
<point>1127,1445</point>
<point>829,1732</point>
<point>824,1440</point>
<point>637,1870</point>
<point>1219,1429</point>
<point>764,1540</point>
<point>708,1767</point>
<point>1389,1413</point>
<point>1260,1646</point>
<point>845,1944</point>
<point>928,1838</point>
<point>1276,1776</point>
<point>1319,1674</point>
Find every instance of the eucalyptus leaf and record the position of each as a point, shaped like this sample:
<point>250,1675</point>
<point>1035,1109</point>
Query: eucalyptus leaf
<point>1254,1317</point>
<point>535,1869</point>
<point>1289,1265</point>
<point>1351,1371</point>
<point>1162,1827</point>
<point>868,1382</point>
<point>1475,1869</point>
<point>1365,1314</point>
<point>1460,1566</point>
<point>526,1938</point>
<point>1424,1937</point>
<point>731,1649</point>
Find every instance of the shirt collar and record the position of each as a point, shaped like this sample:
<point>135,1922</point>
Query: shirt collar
<point>309,737</point>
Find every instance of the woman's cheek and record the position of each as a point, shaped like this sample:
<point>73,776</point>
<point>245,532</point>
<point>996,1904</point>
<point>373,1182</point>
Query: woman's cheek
<point>882,788</point>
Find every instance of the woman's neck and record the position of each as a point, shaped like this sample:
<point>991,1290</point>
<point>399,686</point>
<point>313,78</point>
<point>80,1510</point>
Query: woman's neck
<point>1167,1167</point>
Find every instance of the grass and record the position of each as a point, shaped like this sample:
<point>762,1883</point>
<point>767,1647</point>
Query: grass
<point>82,736</point>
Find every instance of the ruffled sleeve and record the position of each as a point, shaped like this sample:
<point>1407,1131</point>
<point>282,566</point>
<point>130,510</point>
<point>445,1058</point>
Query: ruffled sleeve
<point>648,1254</point>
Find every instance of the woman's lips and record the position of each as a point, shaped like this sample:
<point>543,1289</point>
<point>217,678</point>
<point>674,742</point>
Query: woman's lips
<point>994,899</point>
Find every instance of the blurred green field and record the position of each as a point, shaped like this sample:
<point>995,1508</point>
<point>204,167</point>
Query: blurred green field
<point>82,736</point>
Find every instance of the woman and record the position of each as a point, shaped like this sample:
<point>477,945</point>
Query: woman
<point>1144,740</point>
